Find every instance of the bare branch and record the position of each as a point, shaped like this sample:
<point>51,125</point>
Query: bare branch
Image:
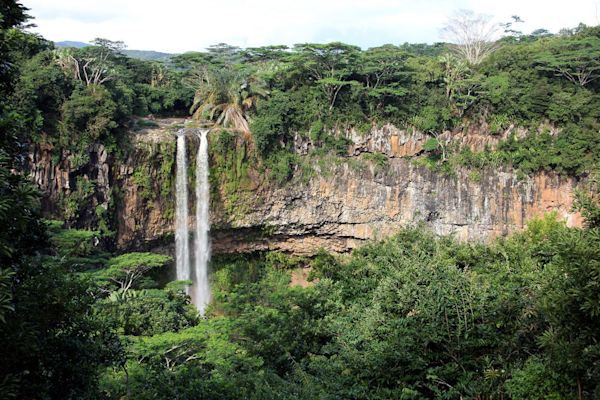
<point>473,36</point>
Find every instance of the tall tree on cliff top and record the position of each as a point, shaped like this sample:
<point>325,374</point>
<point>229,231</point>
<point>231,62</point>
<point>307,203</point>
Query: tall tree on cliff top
<point>473,36</point>
<point>575,57</point>
<point>225,96</point>
<point>328,65</point>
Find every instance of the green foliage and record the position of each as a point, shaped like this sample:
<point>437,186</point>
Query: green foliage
<point>5,294</point>
<point>431,145</point>
<point>199,362</point>
<point>52,346</point>
<point>429,119</point>
<point>278,260</point>
<point>572,152</point>
<point>134,260</point>
<point>498,123</point>
<point>225,95</point>
<point>127,270</point>
<point>281,166</point>
<point>272,124</point>
<point>90,111</point>
<point>166,178</point>
<point>587,201</point>
<point>230,167</point>
<point>571,303</point>
<point>142,179</point>
<point>77,199</point>
<point>74,242</point>
<point>576,58</point>
<point>149,312</point>
<point>536,381</point>
<point>380,160</point>
<point>415,315</point>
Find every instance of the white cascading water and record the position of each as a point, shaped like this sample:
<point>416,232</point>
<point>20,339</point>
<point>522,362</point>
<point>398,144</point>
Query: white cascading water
<point>182,241</point>
<point>201,289</point>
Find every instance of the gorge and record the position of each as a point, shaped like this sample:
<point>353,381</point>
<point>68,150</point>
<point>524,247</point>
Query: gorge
<point>398,222</point>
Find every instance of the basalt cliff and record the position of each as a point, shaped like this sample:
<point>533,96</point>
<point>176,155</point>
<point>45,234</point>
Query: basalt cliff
<point>353,201</point>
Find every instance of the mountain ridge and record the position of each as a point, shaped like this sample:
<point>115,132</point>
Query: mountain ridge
<point>149,55</point>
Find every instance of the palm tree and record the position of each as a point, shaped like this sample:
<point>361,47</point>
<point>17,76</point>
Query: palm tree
<point>225,96</point>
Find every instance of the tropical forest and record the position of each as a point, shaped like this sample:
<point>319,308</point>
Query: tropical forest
<point>319,220</point>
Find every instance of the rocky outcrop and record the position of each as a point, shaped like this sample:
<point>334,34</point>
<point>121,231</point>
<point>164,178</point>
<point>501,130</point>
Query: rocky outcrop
<point>408,142</point>
<point>58,177</point>
<point>341,212</point>
<point>338,209</point>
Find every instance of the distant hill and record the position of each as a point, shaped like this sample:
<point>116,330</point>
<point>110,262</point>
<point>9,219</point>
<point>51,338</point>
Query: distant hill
<point>71,43</point>
<point>149,55</point>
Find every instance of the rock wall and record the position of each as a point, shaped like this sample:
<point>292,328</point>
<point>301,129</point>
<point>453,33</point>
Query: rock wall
<point>341,212</point>
<point>396,142</point>
<point>338,209</point>
<point>57,179</point>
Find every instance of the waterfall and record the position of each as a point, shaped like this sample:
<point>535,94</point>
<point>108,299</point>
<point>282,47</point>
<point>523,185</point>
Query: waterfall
<point>182,242</point>
<point>201,289</point>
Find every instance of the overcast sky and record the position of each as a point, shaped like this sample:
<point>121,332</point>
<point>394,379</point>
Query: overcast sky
<point>185,25</point>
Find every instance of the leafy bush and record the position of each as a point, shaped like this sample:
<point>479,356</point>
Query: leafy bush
<point>149,312</point>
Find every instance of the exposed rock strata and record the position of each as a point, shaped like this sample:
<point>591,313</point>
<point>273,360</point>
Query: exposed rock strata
<point>341,212</point>
<point>338,210</point>
<point>402,142</point>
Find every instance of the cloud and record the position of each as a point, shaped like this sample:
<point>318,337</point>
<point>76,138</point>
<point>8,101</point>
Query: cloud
<point>183,25</point>
<point>552,15</point>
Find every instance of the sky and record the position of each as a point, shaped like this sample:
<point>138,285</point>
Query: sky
<point>176,26</point>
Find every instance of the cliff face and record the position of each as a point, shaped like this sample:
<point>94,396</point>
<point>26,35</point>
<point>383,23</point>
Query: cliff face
<point>337,209</point>
<point>342,211</point>
<point>395,142</point>
<point>61,182</point>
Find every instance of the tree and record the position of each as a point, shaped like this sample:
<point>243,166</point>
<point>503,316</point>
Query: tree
<point>576,58</point>
<point>473,36</point>
<point>508,26</point>
<point>265,53</point>
<point>149,312</point>
<point>224,54</point>
<point>110,46</point>
<point>52,346</point>
<point>91,112</point>
<point>434,143</point>
<point>460,84</point>
<point>127,269</point>
<point>588,201</point>
<point>225,96</point>
<point>328,65</point>
<point>94,66</point>
<point>384,73</point>
<point>571,302</point>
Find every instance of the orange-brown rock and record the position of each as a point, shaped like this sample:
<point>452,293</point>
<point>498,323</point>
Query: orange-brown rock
<point>338,210</point>
<point>341,212</point>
